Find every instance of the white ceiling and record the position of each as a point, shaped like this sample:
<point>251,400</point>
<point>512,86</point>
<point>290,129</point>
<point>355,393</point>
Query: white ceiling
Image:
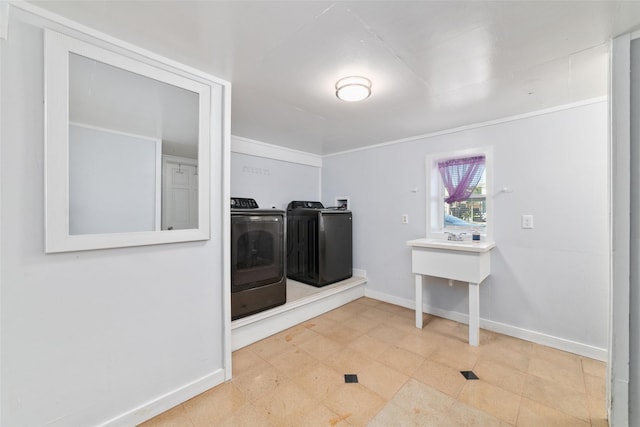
<point>434,64</point>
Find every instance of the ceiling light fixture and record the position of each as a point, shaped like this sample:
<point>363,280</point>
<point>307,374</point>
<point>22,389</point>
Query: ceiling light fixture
<point>353,88</point>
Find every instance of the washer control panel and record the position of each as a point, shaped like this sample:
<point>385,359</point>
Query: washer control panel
<point>241,203</point>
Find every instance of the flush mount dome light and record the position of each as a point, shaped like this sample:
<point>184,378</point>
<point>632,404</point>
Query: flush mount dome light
<point>353,88</point>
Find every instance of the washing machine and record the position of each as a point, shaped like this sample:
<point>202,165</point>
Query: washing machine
<point>319,243</point>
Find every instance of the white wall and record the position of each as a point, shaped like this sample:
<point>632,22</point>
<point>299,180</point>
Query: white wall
<point>100,335</point>
<point>549,284</point>
<point>274,180</point>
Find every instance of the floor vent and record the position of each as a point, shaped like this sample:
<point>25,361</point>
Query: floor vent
<point>350,378</point>
<point>469,375</point>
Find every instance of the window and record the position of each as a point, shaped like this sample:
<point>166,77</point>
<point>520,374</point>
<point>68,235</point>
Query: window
<point>458,185</point>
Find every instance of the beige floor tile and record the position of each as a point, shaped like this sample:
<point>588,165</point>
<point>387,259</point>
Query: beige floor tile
<point>423,344</point>
<point>566,399</point>
<point>493,400</point>
<point>459,356</point>
<point>594,368</point>
<point>440,377</point>
<point>319,380</point>
<point>296,335</point>
<point>215,405</point>
<point>506,355</point>
<point>533,414</point>
<point>500,375</point>
<point>401,360</point>
<point>601,422</point>
<point>341,314</point>
<point>320,324</point>
<point>461,333</point>
<point>387,334</point>
<point>374,313</point>
<point>343,334</point>
<point>468,416</point>
<point>287,402</point>
<point>596,397</point>
<point>319,416</point>
<point>348,361</point>
<point>321,347</point>
<point>270,347</point>
<point>354,403</point>
<point>597,410</point>
<point>382,380</point>
<point>596,387</point>
<point>176,417</point>
<point>408,377</point>
<point>505,342</point>
<point>440,325</point>
<point>354,309</point>
<point>293,361</point>
<point>408,313</point>
<point>402,323</point>
<point>422,400</point>
<point>435,419</point>
<point>246,416</point>
<point>364,324</point>
<point>369,346</point>
<point>393,416</point>
<point>557,357</point>
<point>259,381</point>
<point>244,360</point>
<point>566,374</point>
<point>370,302</point>
<point>390,308</point>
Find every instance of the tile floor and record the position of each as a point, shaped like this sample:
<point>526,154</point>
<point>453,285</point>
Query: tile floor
<point>406,377</point>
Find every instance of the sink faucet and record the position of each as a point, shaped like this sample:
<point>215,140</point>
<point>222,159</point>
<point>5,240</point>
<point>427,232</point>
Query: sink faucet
<point>455,237</point>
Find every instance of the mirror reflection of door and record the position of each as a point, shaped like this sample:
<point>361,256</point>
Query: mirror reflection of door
<point>122,102</point>
<point>179,193</point>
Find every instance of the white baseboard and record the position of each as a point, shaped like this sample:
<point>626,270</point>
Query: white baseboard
<point>167,401</point>
<point>581,349</point>
<point>259,326</point>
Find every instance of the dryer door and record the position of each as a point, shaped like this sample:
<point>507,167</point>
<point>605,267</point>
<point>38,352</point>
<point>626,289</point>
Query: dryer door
<point>257,250</point>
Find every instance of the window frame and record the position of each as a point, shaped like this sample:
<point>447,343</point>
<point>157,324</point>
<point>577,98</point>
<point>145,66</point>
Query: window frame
<point>435,197</point>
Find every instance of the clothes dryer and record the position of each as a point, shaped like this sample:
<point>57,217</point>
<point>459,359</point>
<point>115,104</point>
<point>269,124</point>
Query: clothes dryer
<point>258,275</point>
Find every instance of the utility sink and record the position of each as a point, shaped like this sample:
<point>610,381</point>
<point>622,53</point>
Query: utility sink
<point>465,261</point>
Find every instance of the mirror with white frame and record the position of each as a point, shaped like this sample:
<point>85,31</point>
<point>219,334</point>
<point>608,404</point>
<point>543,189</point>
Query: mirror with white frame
<point>127,148</point>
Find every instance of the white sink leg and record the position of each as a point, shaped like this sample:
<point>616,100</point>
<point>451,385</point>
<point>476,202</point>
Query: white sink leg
<point>419,301</point>
<point>474,314</point>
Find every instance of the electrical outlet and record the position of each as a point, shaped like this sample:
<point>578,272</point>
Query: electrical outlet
<point>527,221</point>
<point>405,219</point>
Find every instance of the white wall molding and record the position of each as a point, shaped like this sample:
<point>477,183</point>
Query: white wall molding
<point>167,401</point>
<point>502,328</point>
<point>262,149</point>
<point>477,125</point>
